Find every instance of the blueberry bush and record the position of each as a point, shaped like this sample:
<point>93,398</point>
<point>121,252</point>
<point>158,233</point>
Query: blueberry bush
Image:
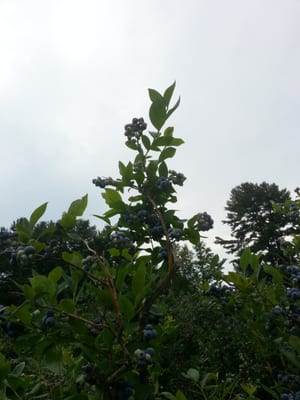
<point>133,312</point>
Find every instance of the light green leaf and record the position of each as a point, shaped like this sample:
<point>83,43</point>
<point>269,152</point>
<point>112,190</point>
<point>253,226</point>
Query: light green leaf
<point>55,274</point>
<point>67,305</point>
<point>180,395</point>
<point>113,199</point>
<point>78,207</point>
<point>193,374</point>
<point>37,214</point>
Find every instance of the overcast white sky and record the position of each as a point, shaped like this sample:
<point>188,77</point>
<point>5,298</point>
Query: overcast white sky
<point>73,72</point>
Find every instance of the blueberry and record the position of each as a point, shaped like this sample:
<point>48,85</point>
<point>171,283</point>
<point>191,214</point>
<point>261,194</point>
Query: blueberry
<point>29,250</point>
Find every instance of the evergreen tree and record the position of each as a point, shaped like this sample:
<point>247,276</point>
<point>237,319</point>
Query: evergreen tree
<point>255,223</point>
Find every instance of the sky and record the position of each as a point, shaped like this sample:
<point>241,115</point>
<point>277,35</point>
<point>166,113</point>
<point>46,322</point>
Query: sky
<point>74,72</point>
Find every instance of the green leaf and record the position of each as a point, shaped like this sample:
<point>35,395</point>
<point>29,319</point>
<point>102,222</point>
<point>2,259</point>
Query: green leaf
<point>169,93</point>
<point>37,214</point>
<point>250,390</point>
<point>274,272</point>
<point>53,359</point>
<point>68,221</point>
<point>192,235</point>
<point>180,395</point>
<point>170,112</point>
<point>146,142</point>
<point>155,95</point>
<point>43,286</point>
<point>122,168</point>
<point>4,368</point>
<point>126,172</point>
<point>163,169</point>
<point>126,306</point>
<point>55,274</point>
<point>24,314</point>
<point>169,131</point>
<point>138,281</point>
<point>72,258</point>
<point>193,374</point>
<point>19,368</point>
<point>163,141</point>
<point>78,207</point>
<point>151,169</point>
<point>168,395</point>
<point>113,199</point>
<point>246,259</point>
<point>158,114</point>
<point>294,341</point>
<point>169,152</point>
<point>237,279</point>
<point>177,142</point>
<point>122,273</point>
<point>131,145</point>
<point>67,305</point>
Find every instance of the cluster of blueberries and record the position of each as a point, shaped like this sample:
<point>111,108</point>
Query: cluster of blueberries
<point>5,235</point>
<point>175,233</point>
<point>293,294</point>
<point>92,374</point>
<point>163,183</point>
<point>10,327</point>
<point>103,182</point>
<point>149,333</point>
<point>144,357</point>
<point>177,178</point>
<point>292,381</point>
<point>120,240</point>
<point>48,319</point>
<point>290,396</point>
<point>221,293</point>
<point>291,315</point>
<point>294,273</point>
<point>163,253</point>
<point>135,129</point>
<point>205,221</point>
<point>20,255</point>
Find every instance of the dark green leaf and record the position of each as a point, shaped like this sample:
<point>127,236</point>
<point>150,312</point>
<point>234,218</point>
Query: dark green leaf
<point>169,93</point>
<point>163,169</point>
<point>158,114</point>
<point>155,95</point>
<point>146,142</point>
<point>170,112</point>
<point>169,152</point>
<point>126,307</point>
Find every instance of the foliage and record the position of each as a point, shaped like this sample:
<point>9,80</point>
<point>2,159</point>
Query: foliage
<point>131,313</point>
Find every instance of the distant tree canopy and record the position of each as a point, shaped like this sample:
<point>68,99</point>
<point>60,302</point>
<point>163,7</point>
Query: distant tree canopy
<point>255,223</point>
